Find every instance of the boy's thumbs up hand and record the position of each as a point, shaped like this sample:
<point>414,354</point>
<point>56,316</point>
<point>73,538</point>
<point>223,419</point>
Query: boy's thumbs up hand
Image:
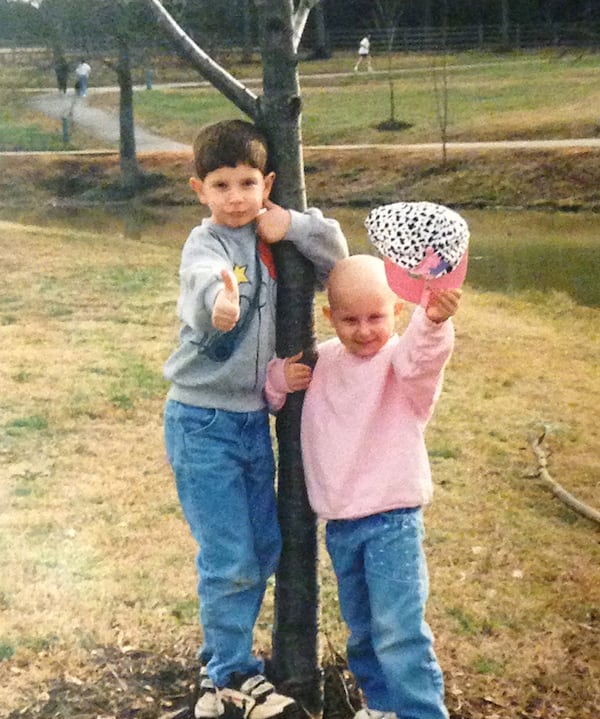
<point>226,311</point>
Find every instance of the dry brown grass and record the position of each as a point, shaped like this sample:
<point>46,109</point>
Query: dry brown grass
<point>96,561</point>
<point>565,179</point>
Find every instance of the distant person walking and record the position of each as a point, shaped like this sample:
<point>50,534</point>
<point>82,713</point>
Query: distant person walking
<point>364,50</point>
<point>83,72</point>
<point>61,68</point>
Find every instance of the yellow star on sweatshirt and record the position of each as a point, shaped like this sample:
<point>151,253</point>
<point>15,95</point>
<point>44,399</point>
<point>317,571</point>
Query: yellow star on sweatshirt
<point>240,273</point>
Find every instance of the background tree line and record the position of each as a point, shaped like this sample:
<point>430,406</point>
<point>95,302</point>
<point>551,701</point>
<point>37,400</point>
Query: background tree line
<point>223,23</point>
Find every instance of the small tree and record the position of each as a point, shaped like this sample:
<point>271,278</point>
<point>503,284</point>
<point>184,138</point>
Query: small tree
<point>505,23</point>
<point>121,19</point>
<point>440,89</point>
<point>116,25</point>
<point>387,14</point>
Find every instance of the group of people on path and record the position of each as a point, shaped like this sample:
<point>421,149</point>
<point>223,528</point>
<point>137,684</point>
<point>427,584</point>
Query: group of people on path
<point>368,400</point>
<point>83,69</point>
<point>82,73</point>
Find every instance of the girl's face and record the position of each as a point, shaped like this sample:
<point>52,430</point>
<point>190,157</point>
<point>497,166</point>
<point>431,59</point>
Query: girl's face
<point>364,320</point>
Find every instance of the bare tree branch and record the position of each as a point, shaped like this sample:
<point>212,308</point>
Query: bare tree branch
<point>300,17</point>
<point>558,490</point>
<point>225,83</point>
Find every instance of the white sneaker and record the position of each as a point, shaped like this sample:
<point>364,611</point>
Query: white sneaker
<point>207,704</point>
<point>367,713</point>
<point>255,698</point>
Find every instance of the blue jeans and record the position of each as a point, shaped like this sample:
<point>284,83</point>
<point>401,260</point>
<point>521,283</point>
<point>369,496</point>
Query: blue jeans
<point>383,586</point>
<point>224,472</point>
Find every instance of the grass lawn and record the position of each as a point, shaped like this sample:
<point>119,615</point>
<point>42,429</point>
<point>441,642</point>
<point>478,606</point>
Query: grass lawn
<point>520,96</point>
<point>97,581</point>
<point>540,96</point>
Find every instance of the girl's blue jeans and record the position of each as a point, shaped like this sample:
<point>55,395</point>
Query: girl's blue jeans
<point>224,473</point>
<point>383,586</point>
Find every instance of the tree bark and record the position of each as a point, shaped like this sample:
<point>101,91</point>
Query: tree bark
<point>247,43</point>
<point>321,49</point>
<point>295,654</point>
<point>504,21</point>
<point>130,170</point>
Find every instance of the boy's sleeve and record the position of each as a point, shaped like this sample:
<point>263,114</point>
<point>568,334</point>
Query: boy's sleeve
<point>276,387</point>
<point>319,239</point>
<point>200,281</point>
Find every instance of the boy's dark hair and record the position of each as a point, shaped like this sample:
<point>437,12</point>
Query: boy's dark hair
<point>229,143</point>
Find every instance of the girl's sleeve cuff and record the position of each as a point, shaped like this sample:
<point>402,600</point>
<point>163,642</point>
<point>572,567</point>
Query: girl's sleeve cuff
<point>276,387</point>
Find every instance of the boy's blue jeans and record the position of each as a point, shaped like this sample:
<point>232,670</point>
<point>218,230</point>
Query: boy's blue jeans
<point>383,586</point>
<point>224,472</point>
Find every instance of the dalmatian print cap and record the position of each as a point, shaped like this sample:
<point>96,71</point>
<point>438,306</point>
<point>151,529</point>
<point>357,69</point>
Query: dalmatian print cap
<point>424,247</point>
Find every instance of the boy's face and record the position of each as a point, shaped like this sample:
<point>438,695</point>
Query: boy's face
<point>235,195</point>
<point>364,320</point>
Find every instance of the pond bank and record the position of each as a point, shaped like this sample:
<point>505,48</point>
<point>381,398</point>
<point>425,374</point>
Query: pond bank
<point>565,179</point>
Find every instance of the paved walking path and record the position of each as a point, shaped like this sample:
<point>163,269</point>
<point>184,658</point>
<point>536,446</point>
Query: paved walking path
<point>105,126</point>
<point>487,145</point>
<point>102,124</point>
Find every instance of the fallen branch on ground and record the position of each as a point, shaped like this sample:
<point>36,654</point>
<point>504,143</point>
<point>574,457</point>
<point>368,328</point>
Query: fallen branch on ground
<point>558,490</point>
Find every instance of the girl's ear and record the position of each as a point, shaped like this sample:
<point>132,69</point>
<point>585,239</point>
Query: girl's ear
<point>269,179</point>
<point>398,308</point>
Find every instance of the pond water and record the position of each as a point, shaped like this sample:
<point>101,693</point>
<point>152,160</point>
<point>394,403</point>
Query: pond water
<point>510,251</point>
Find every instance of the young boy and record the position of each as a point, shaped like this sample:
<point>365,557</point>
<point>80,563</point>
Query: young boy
<point>368,401</point>
<point>216,420</point>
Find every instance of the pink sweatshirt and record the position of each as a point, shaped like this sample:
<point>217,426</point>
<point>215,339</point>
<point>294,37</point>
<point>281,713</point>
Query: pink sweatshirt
<point>364,419</point>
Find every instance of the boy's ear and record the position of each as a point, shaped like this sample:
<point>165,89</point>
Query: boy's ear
<point>327,312</point>
<point>198,187</point>
<point>269,179</point>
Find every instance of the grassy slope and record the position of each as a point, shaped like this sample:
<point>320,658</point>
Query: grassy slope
<point>515,584</point>
<point>543,95</point>
<point>567,179</point>
<point>87,322</point>
<point>539,96</point>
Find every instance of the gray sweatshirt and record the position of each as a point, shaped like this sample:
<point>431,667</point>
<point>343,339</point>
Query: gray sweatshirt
<point>228,370</point>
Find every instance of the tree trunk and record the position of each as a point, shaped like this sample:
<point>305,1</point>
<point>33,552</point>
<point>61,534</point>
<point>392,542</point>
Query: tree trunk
<point>504,22</point>
<point>295,661</point>
<point>130,170</point>
<point>321,49</point>
<point>247,44</point>
<point>427,14</point>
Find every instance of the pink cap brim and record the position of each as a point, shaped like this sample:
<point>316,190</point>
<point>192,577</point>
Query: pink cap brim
<point>414,289</point>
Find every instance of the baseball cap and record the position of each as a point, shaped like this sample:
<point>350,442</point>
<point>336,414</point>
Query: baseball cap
<point>424,247</point>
